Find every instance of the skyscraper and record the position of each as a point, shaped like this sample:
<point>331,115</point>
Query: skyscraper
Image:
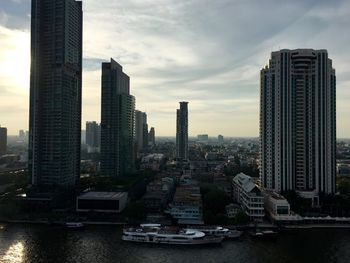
<point>55,92</point>
<point>141,130</point>
<point>117,121</point>
<point>182,131</point>
<point>93,136</point>
<point>3,140</point>
<point>298,122</point>
<point>152,136</point>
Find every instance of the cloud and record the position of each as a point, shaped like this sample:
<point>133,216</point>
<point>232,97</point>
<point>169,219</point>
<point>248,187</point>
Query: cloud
<point>206,52</point>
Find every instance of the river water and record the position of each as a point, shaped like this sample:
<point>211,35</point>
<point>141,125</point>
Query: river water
<point>99,244</point>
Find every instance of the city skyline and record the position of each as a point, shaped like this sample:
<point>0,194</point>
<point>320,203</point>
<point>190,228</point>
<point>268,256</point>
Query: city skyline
<point>218,74</point>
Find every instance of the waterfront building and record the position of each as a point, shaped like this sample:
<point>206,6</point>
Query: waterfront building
<point>93,136</point>
<point>232,210</point>
<point>3,140</point>
<point>152,137</point>
<point>101,202</point>
<point>141,130</point>
<point>182,131</point>
<point>117,122</point>
<point>55,92</point>
<point>246,193</point>
<point>186,206</point>
<point>298,123</point>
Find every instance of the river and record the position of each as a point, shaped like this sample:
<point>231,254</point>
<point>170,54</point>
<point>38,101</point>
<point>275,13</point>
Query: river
<point>100,244</point>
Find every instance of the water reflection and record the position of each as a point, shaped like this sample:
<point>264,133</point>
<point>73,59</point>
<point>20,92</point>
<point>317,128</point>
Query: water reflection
<point>14,254</point>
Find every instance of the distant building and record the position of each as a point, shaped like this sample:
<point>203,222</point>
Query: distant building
<point>152,136</point>
<point>182,131</point>
<point>152,161</point>
<point>55,92</point>
<point>298,123</point>
<point>93,136</point>
<point>3,140</point>
<point>21,135</point>
<point>141,130</point>
<point>220,139</point>
<point>102,202</point>
<point>246,193</point>
<point>117,122</point>
<point>203,137</point>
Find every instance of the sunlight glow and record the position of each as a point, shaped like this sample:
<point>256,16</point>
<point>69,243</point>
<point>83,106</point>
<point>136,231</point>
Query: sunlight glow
<point>15,59</point>
<point>15,254</point>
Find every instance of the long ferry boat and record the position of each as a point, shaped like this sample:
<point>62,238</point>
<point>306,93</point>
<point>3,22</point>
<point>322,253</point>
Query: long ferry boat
<point>217,231</point>
<point>157,234</point>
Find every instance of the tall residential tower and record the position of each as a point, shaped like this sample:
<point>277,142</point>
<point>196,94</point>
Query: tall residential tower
<point>182,131</point>
<point>55,92</point>
<point>141,130</point>
<point>298,122</point>
<point>3,140</point>
<point>117,121</point>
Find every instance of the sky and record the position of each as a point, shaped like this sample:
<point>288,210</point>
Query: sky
<point>206,52</point>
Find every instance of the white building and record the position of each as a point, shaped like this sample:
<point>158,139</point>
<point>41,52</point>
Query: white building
<point>248,194</point>
<point>298,123</point>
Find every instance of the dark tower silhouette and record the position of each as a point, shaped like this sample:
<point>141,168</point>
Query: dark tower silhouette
<point>55,92</point>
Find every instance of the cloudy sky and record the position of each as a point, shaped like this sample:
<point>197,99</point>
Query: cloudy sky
<point>203,51</point>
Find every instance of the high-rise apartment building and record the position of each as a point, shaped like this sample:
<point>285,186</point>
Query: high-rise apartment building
<point>141,130</point>
<point>152,136</point>
<point>55,92</point>
<point>220,138</point>
<point>3,140</point>
<point>93,136</point>
<point>182,131</point>
<point>298,122</point>
<point>117,121</point>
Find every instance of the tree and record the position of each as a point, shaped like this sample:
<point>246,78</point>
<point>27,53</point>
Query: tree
<point>344,186</point>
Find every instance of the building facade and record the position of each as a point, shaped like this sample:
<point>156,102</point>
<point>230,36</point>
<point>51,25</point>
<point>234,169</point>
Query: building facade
<point>152,136</point>
<point>141,130</point>
<point>298,122</point>
<point>55,92</point>
<point>182,131</point>
<point>93,136</point>
<point>3,140</point>
<point>117,122</point>
<point>246,193</point>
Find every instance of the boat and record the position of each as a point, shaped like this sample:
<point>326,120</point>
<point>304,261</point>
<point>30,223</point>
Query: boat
<point>217,231</point>
<point>265,234</point>
<point>74,225</point>
<point>158,234</point>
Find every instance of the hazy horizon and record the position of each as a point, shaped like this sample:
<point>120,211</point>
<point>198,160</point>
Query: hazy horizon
<point>208,53</point>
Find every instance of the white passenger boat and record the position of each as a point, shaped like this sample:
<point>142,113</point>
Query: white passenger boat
<point>157,234</point>
<point>217,231</point>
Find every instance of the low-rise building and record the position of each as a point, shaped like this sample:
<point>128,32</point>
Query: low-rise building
<point>249,196</point>
<point>158,194</point>
<point>105,202</point>
<point>232,210</point>
<point>278,208</point>
<point>186,207</point>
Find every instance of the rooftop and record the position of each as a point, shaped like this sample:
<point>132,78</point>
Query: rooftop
<point>103,195</point>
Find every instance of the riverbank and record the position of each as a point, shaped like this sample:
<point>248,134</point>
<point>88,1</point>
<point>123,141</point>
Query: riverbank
<point>250,226</point>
